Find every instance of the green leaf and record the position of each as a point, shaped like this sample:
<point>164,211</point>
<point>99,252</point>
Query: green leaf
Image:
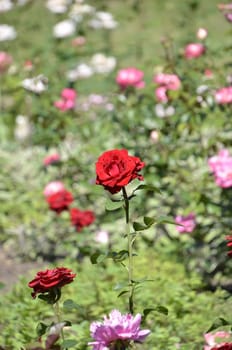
<point>165,220</point>
<point>97,258</point>
<point>161,309</point>
<point>113,205</point>
<point>148,188</point>
<point>69,304</point>
<point>119,256</point>
<point>41,329</point>
<point>2,285</point>
<point>219,322</point>
<point>122,293</point>
<point>68,343</point>
<point>148,221</point>
<point>139,227</point>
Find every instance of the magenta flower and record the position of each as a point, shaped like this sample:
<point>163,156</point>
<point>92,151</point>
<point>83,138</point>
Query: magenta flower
<point>188,223</point>
<point>194,50</point>
<point>130,77</point>
<point>165,82</point>
<point>223,96</point>
<point>221,166</point>
<point>117,331</point>
<point>161,94</point>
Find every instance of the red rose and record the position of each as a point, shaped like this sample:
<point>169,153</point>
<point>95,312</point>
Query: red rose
<point>81,218</point>
<point>44,281</point>
<point>60,201</point>
<point>224,346</point>
<point>116,169</point>
<point>51,159</point>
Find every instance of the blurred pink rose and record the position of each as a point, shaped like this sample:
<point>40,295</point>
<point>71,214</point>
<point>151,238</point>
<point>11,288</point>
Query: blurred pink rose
<point>79,41</point>
<point>170,81</point>
<point>161,94</point>
<point>53,187</point>
<point>51,159</point>
<point>224,95</point>
<point>68,100</point>
<point>221,166</point>
<point>188,223</point>
<point>5,61</point>
<point>130,77</point>
<point>194,50</point>
<point>102,237</point>
<point>210,339</point>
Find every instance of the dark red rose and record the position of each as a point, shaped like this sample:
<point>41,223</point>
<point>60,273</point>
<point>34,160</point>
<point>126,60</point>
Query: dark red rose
<point>224,346</point>
<point>81,218</point>
<point>46,280</point>
<point>60,201</point>
<point>116,169</point>
<point>229,244</point>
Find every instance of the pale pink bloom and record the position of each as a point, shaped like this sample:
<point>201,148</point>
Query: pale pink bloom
<point>130,77</point>
<point>208,73</point>
<point>51,159</point>
<point>202,33</point>
<point>161,94</point>
<point>79,41</point>
<point>194,50</point>
<point>170,81</point>
<point>221,166</point>
<point>224,95</point>
<point>228,16</point>
<point>5,61</point>
<point>188,223</point>
<point>117,327</point>
<point>102,237</point>
<point>210,339</point>
<point>28,65</point>
<point>154,136</point>
<point>53,187</point>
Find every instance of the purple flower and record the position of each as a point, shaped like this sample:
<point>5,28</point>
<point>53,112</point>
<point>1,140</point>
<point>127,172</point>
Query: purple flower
<point>117,331</point>
<point>188,223</point>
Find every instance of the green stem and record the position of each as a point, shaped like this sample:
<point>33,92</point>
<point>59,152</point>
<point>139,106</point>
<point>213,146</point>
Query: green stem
<point>57,313</point>
<point>130,252</point>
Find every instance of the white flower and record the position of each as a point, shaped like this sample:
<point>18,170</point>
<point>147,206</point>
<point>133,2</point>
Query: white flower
<point>58,6</point>
<point>23,128</point>
<point>202,89</point>
<point>64,29</point>
<point>103,64</point>
<point>5,5</point>
<point>37,84</point>
<point>82,71</point>
<point>103,20</point>
<point>81,9</point>
<point>202,33</point>
<point>163,112</point>
<point>7,32</point>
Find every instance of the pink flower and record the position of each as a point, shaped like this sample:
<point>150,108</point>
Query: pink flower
<point>224,95</point>
<point>210,339</point>
<point>161,94</point>
<point>170,81</point>
<point>188,223</point>
<point>194,50</point>
<point>79,41</point>
<point>68,100</point>
<point>51,159</point>
<point>53,187</point>
<point>118,328</point>
<point>5,61</point>
<point>221,166</point>
<point>130,77</point>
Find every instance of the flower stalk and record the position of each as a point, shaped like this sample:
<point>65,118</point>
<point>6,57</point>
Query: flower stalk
<point>130,250</point>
